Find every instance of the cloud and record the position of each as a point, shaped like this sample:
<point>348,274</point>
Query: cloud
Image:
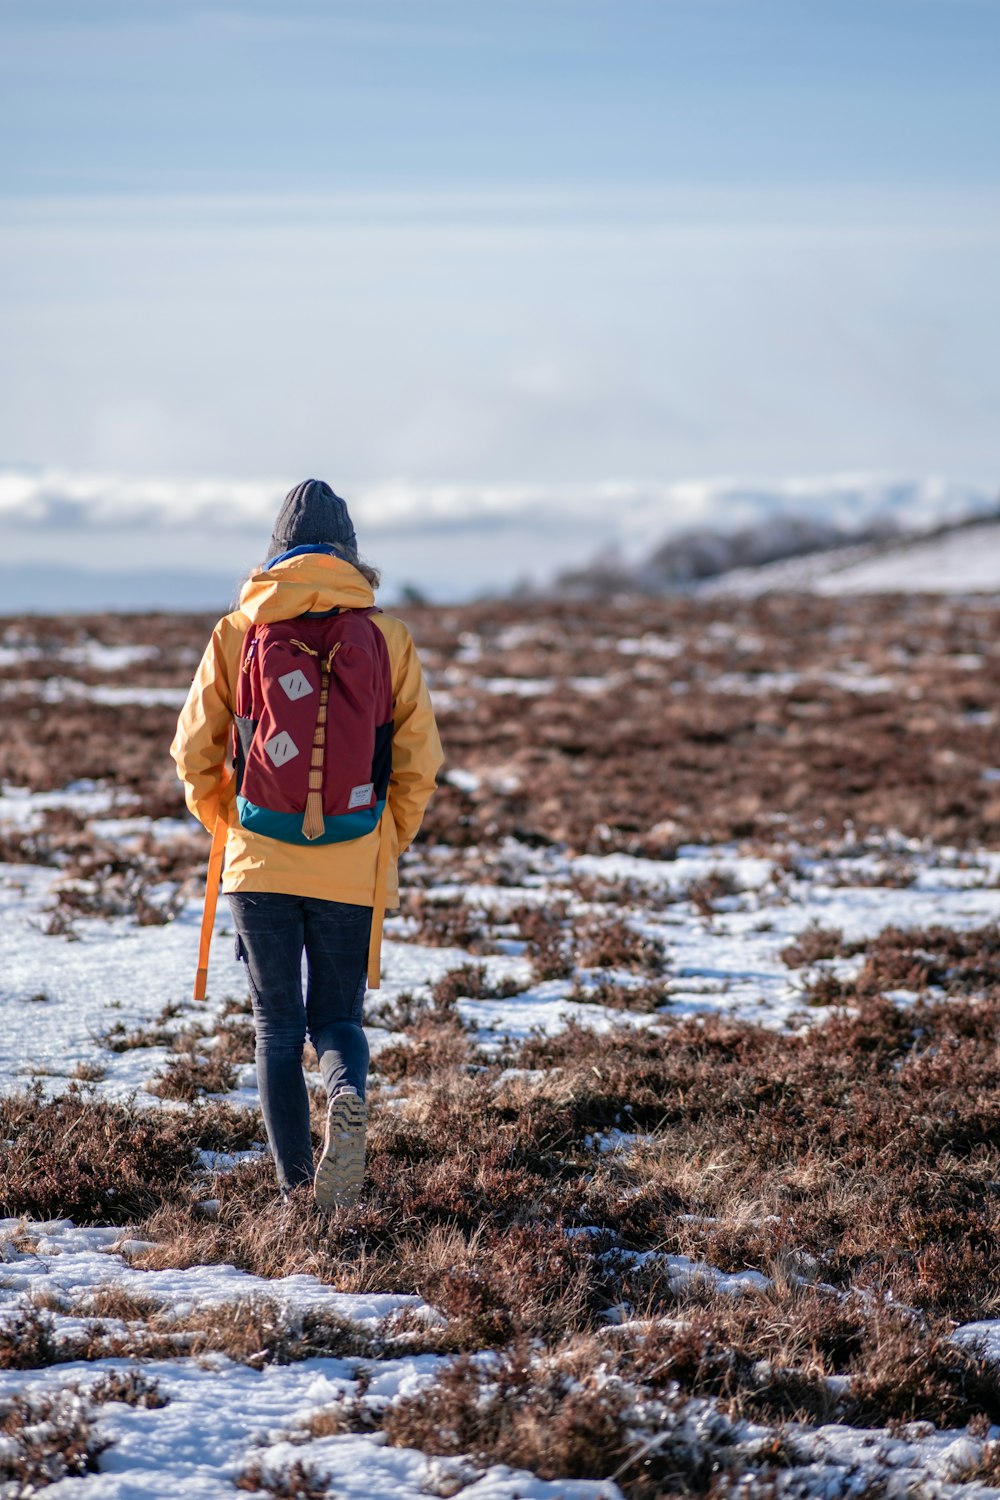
<point>629,513</point>
<point>66,537</point>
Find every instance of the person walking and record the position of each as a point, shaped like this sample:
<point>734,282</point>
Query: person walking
<point>321,700</point>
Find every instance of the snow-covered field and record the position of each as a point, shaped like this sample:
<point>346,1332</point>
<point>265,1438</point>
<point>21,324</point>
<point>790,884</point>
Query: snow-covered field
<point>156,1373</point>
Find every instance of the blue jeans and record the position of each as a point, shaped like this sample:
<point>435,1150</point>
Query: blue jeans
<point>272,930</point>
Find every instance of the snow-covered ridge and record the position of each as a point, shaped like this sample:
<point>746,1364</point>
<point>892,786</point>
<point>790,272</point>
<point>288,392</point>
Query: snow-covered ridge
<point>963,560</point>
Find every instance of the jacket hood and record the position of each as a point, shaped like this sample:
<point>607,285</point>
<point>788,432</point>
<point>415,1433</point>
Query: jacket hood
<point>300,585</point>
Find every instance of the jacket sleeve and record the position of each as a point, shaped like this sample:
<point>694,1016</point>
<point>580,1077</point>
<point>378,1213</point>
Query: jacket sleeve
<point>203,735</point>
<point>416,747</point>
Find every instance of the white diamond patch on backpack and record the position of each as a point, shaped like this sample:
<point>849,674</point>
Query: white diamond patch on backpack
<point>296,684</point>
<point>281,747</point>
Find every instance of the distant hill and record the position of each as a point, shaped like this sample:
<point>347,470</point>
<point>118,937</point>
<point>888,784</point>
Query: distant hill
<point>954,560</point>
<point>797,553</point>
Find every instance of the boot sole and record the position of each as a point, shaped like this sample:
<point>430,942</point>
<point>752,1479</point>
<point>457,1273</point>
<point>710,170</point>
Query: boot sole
<point>341,1170</point>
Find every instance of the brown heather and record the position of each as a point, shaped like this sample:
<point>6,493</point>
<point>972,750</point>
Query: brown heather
<point>812,945</point>
<point>469,982</point>
<point>103,1163</point>
<point>45,1439</point>
<point>857,1159</point>
<point>298,1482</point>
<point>856,1163</point>
<point>129,1386</point>
<point>860,1157</point>
<point>445,923</point>
<point>657,758</point>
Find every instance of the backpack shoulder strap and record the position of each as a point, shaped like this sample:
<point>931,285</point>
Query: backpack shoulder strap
<point>215,859</point>
<point>379,901</point>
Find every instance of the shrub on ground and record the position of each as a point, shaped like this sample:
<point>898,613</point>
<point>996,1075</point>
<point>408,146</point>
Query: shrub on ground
<point>101,1162</point>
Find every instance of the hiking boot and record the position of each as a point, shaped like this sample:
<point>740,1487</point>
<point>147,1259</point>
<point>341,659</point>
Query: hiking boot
<point>341,1168</point>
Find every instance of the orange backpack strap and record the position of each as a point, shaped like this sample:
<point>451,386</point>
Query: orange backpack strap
<point>215,859</point>
<point>378,905</point>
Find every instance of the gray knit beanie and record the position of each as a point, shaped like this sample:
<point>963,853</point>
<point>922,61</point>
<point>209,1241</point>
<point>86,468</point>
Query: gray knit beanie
<point>312,515</point>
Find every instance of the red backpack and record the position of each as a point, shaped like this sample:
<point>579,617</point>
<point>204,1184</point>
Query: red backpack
<point>313,729</point>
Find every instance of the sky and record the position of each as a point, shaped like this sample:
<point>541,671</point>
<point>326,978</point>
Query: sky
<point>548,245</point>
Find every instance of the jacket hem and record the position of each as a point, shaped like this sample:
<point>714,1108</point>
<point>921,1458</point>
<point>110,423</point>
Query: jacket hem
<point>301,885</point>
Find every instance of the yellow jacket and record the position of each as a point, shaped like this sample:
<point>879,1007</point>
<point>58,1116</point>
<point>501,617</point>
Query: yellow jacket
<point>202,745</point>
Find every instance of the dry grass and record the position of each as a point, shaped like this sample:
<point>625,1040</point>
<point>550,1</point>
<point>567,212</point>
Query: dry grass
<point>561,1414</point>
<point>558,1418</point>
<point>446,922</point>
<point>130,1387</point>
<point>658,758</point>
<point>852,1161</point>
<point>856,1164</point>
<point>606,942</point>
<point>662,757</point>
<point>868,1145</point>
<point>862,1155</point>
<point>193,1074</point>
<point>257,1332</point>
<point>159,1032</point>
<point>45,1439</point>
<point>100,1163</point>
<point>617,1403</point>
<point>298,1482</point>
<point>33,1339</point>
<point>812,945</point>
<point>469,982</point>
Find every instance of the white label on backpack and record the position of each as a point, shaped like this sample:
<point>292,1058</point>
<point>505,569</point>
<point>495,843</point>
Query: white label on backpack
<point>281,747</point>
<point>296,684</point>
<point>361,795</point>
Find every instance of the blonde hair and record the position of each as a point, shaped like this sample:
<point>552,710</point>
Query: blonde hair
<point>368,571</point>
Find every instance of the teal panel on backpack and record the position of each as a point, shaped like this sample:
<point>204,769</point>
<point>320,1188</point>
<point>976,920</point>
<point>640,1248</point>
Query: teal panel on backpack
<point>287,827</point>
